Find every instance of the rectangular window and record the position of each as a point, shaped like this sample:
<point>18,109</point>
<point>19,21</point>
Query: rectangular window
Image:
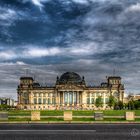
<point>75,97</point>
<point>53,100</point>
<point>70,98</point>
<point>35,101</point>
<point>65,97</point>
<point>26,101</point>
<point>39,100</point>
<point>92,100</point>
<point>49,101</point>
<point>44,101</point>
<point>106,100</point>
<point>88,100</point>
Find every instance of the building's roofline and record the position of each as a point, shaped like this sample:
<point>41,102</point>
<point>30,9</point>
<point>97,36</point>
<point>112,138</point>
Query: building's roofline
<point>43,88</point>
<point>22,78</point>
<point>95,87</point>
<point>114,77</point>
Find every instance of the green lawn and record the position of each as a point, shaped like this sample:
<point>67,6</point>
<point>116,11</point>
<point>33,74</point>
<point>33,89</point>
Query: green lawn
<point>106,112</point>
<point>83,119</point>
<point>75,113</point>
<point>83,113</point>
<point>92,119</point>
<point>19,113</point>
<point>52,119</point>
<point>137,112</point>
<point>52,113</point>
<point>114,112</point>
<point>114,119</point>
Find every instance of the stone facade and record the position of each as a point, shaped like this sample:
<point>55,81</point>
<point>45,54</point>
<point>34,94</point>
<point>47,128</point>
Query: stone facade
<point>69,93</point>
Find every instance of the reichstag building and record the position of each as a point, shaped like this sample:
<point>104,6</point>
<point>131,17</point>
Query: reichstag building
<point>69,93</point>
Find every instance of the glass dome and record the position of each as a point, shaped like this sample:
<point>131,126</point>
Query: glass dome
<point>70,77</point>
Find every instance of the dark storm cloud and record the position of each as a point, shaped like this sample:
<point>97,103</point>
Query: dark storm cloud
<point>53,36</point>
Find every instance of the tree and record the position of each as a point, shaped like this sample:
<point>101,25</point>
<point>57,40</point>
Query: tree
<point>131,105</point>
<point>4,107</point>
<point>112,101</point>
<point>125,105</point>
<point>137,104</point>
<point>119,105</point>
<point>99,102</point>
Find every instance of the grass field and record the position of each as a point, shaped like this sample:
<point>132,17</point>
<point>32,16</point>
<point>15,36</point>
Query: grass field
<point>52,113</point>
<point>19,113</point>
<point>75,113</point>
<point>24,115</point>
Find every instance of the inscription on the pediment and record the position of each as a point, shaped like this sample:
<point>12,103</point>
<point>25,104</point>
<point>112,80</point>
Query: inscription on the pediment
<point>70,87</point>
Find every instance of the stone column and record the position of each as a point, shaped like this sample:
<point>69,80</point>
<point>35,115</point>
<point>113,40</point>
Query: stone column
<point>95,97</point>
<point>19,98</point>
<point>41,98</point>
<point>68,97</point>
<point>77,97</point>
<point>81,98</point>
<point>58,98</point>
<point>90,98</point>
<point>73,97</point>
<point>30,98</point>
<point>51,100</point>
<point>37,99</point>
<point>63,98</point>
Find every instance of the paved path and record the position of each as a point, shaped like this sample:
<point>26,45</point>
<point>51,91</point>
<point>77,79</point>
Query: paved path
<point>69,131</point>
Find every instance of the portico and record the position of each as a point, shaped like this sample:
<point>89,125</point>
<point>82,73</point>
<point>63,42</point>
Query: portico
<point>70,98</point>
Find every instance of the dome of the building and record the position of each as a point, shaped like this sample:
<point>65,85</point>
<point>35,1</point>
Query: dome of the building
<point>70,77</point>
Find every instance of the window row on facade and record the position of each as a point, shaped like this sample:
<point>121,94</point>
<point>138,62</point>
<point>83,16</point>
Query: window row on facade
<point>93,100</point>
<point>44,101</point>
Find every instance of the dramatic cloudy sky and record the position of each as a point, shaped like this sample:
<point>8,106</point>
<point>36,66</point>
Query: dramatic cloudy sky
<point>49,37</point>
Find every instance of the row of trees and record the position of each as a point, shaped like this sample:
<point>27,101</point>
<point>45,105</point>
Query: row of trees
<point>118,105</point>
<point>5,107</point>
